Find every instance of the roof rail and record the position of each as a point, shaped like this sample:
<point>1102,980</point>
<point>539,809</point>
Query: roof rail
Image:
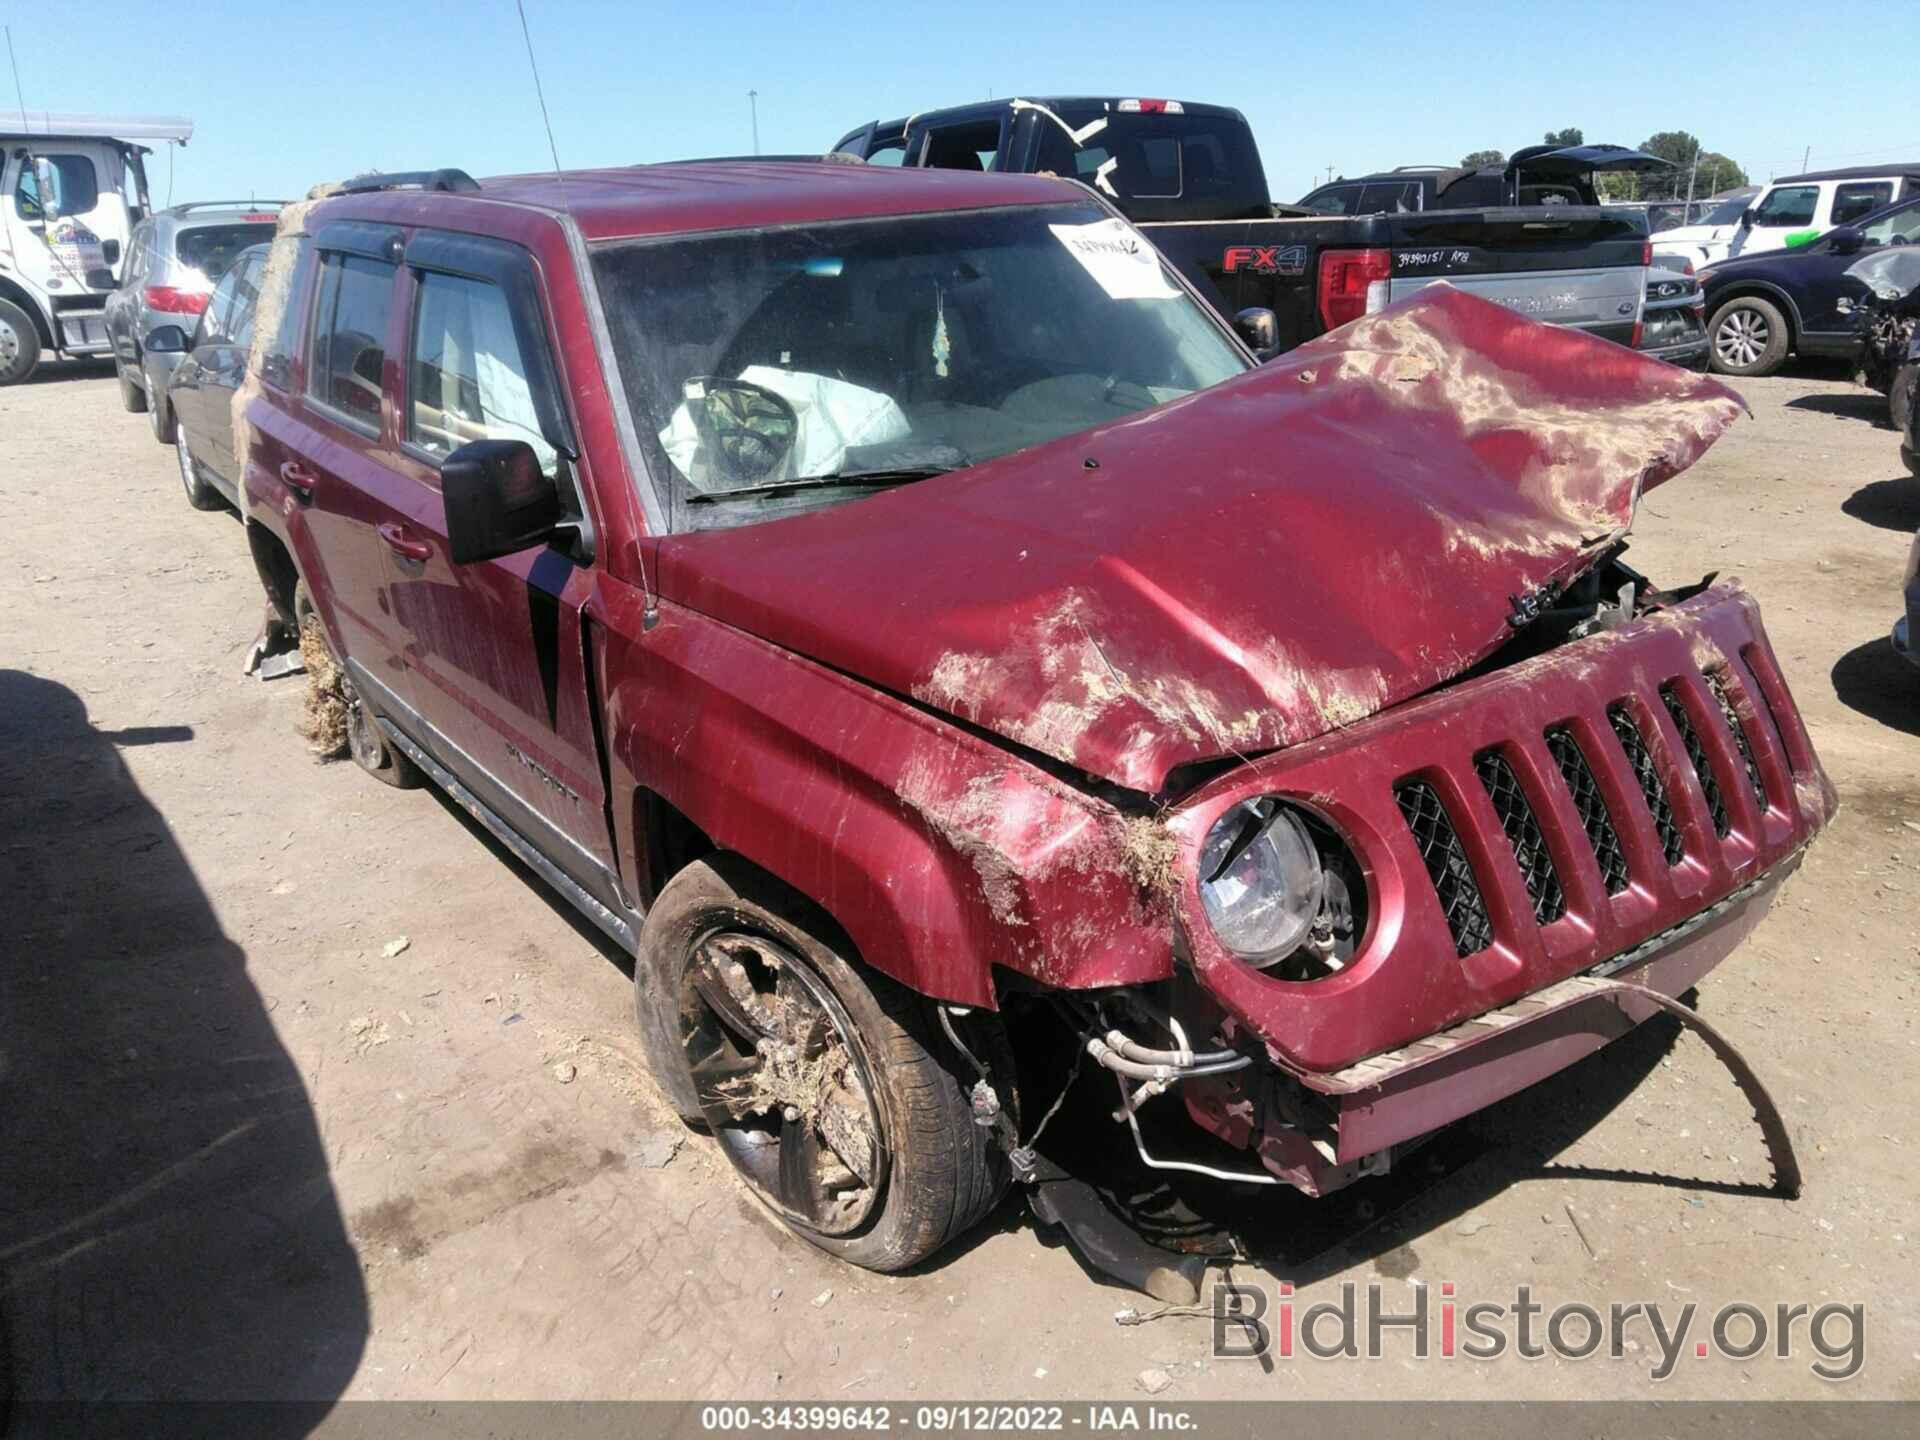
<point>1400,169</point>
<point>227,205</point>
<point>456,181</point>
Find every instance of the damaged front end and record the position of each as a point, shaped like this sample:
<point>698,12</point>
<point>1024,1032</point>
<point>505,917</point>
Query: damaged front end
<point>1386,917</point>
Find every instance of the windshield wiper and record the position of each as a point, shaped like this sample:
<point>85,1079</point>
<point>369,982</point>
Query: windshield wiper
<point>840,478</point>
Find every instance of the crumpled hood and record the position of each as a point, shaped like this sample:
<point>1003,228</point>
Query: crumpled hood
<point>1240,570</point>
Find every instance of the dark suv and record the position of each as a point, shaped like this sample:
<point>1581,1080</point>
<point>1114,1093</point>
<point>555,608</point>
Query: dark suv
<point>898,612</point>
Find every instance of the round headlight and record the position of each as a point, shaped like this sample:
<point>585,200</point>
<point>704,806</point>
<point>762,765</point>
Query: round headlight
<point>1261,881</point>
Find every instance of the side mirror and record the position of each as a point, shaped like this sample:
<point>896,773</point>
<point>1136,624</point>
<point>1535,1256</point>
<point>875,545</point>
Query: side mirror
<point>1260,328</point>
<point>498,500</point>
<point>46,185</point>
<point>1846,240</point>
<point>1746,218</point>
<point>167,340</point>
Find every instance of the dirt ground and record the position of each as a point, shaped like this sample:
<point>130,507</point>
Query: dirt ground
<point>306,1090</point>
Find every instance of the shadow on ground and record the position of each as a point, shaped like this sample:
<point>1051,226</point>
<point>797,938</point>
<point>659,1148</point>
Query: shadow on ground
<point>1868,405</point>
<point>1890,504</point>
<point>1873,680</point>
<point>168,1229</point>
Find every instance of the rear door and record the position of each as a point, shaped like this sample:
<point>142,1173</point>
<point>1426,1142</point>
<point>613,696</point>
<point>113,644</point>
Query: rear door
<point>496,664</point>
<point>223,369</point>
<point>335,466</point>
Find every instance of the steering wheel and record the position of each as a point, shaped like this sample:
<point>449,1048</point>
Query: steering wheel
<point>745,429</point>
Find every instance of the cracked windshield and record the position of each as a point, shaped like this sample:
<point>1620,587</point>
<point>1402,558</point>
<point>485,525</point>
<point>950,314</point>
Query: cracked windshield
<point>775,370</point>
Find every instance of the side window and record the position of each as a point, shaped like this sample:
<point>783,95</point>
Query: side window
<point>1854,200</point>
<point>963,147</point>
<point>246,301</point>
<point>215,319</point>
<point>888,152</point>
<point>350,336</point>
<point>1394,197</point>
<point>75,187</point>
<point>1902,227</point>
<point>1333,200</point>
<point>469,379</point>
<point>1788,205</point>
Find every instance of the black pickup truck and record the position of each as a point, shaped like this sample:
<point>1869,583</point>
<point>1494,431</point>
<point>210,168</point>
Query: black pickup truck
<point>1190,176</point>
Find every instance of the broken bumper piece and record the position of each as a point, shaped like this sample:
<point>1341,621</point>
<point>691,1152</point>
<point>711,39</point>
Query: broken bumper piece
<point>1368,1109</point>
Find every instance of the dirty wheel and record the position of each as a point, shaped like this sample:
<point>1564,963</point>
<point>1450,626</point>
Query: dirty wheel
<point>200,494</point>
<point>823,1081</point>
<point>160,416</point>
<point>1749,337</point>
<point>19,344</point>
<point>133,394</point>
<point>365,742</point>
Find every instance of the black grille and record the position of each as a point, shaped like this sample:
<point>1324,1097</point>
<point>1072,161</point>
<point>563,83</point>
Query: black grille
<point>1592,807</point>
<point>1717,683</point>
<point>1523,833</point>
<point>1697,757</point>
<point>1672,843</point>
<point>1447,866</point>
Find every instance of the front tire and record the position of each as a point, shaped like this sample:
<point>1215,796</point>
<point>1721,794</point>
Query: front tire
<point>19,344</point>
<point>1748,337</point>
<point>826,1083</point>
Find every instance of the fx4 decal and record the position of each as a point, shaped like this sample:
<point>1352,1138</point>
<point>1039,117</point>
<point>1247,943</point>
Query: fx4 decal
<point>1265,259</point>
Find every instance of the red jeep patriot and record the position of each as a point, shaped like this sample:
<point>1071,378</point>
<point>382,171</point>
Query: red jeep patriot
<point>886,602</point>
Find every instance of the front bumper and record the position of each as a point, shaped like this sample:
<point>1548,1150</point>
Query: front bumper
<point>1365,1110</point>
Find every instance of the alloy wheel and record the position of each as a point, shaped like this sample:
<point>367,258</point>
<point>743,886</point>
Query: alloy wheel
<point>189,476</point>
<point>1742,338</point>
<point>783,1080</point>
<point>9,343</point>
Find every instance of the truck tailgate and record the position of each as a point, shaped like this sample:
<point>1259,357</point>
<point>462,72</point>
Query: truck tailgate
<point>1571,265</point>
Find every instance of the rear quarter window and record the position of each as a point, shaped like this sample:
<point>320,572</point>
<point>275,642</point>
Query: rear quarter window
<point>210,249</point>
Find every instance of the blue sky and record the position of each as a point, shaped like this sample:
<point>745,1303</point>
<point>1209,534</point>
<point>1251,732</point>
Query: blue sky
<point>284,97</point>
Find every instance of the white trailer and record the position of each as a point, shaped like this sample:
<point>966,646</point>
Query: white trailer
<point>72,187</point>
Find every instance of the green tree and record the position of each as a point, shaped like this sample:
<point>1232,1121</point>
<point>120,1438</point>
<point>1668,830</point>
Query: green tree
<point>1715,173</point>
<point>1474,159</point>
<point>1570,136</point>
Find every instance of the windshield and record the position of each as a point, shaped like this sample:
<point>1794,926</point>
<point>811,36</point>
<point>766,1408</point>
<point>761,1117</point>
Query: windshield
<point>767,370</point>
<point>1728,212</point>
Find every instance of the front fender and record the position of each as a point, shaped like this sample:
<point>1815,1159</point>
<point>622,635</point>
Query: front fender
<point>940,853</point>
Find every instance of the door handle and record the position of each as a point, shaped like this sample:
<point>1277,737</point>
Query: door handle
<point>403,543</point>
<point>299,480</point>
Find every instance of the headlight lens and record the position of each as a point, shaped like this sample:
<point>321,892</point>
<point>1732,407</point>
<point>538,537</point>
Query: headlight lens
<point>1261,881</point>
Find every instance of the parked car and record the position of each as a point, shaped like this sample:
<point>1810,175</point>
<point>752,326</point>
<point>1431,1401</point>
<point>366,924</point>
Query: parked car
<point>206,371</point>
<point>65,218</point>
<point>172,263</point>
<point>1797,210</point>
<point>1666,215</point>
<point>1765,307</point>
<point>885,600</point>
<point>1674,329</point>
<point>1191,177</point>
<point>1704,239</point>
<point>1534,175</point>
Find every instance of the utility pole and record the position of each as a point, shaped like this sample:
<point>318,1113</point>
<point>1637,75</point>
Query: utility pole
<point>753,112</point>
<point>1692,175</point>
<point>1805,156</point>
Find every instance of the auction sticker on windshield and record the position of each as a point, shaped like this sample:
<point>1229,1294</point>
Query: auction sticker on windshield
<point>1121,263</point>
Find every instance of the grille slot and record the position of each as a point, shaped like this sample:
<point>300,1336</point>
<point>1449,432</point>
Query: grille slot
<point>1672,843</point>
<point>1592,807</point>
<point>1447,866</point>
<point>1697,757</point>
<point>1717,683</point>
<point>1523,834</point>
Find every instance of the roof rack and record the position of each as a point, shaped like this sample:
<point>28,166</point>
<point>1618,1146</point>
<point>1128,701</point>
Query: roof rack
<point>455,181</point>
<point>227,205</point>
<point>1404,169</point>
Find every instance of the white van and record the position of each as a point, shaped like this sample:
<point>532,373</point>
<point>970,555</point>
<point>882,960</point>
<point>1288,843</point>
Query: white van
<point>1797,205</point>
<point>72,187</point>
